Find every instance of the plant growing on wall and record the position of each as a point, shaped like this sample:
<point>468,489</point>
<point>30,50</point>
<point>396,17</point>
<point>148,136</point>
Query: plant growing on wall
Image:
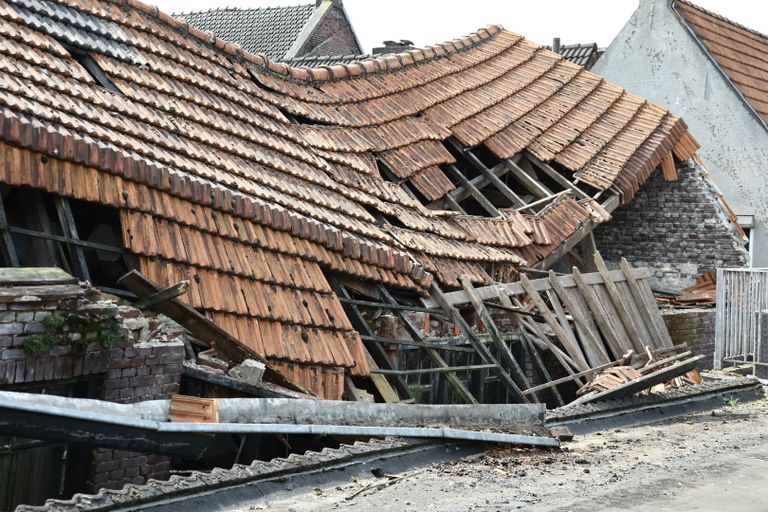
<point>79,331</point>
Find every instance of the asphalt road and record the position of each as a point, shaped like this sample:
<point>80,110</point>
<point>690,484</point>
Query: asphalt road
<point>705,462</point>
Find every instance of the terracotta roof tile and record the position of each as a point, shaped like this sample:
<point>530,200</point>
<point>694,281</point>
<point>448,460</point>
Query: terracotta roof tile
<point>252,178</point>
<point>739,51</point>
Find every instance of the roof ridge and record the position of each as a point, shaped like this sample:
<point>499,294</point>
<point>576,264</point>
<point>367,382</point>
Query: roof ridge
<point>721,18</point>
<point>242,9</point>
<point>386,62</point>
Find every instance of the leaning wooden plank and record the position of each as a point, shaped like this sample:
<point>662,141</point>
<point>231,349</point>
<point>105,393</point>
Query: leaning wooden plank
<point>664,338</point>
<point>559,312</point>
<point>646,310</point>
<point>622,336</point>
<point>503,349</point>
<point>634,311</point>
<point>588,373</point>
<point>431,353</point>
<point>202,328</point>
<point>646,381</point>
<point>530,349</point>
<point>516,288</point>
<point>629,322</point>
<point>537,336</point>
<point>573,351</point>
<point>598,313</point>
<point>652,367</point>
<point>506,380</point>
<point>387,392</point>
<point>594,350</point>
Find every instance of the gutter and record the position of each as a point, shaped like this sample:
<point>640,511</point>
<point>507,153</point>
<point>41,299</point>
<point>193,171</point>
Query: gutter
<point>717,65</point>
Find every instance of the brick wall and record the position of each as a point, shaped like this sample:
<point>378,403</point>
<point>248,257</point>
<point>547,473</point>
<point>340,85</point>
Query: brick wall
<point>696,327</point>
<point>678,229</point>
<point>137,359</point>
<point>333,36</point>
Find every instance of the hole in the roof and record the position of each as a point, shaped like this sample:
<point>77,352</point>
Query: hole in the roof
<point>92,68</point>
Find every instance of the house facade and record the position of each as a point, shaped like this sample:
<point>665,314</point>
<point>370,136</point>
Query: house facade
<point>713,73</point>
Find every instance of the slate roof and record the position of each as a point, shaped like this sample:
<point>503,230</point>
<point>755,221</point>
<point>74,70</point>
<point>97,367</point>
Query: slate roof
<point>268,30</point>
<point>580,54</point>
<point>216,184</point>
<point>739,51</point>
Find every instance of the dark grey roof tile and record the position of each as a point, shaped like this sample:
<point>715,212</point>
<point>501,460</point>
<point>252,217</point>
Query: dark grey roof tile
<point>270,30</point>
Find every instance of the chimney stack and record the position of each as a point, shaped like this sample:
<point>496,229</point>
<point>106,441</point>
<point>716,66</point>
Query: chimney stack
<point>556,45</point>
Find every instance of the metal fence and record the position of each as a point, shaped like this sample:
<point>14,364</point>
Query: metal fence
<point>741,295</point>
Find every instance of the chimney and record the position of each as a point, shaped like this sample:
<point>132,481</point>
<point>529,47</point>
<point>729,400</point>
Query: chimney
<point>556,45</point>
<point>400,46</point>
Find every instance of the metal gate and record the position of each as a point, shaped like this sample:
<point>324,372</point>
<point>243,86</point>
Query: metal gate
<point>741,295</point>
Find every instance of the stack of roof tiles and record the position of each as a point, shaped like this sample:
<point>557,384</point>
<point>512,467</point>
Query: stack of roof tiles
<point>216,184</point>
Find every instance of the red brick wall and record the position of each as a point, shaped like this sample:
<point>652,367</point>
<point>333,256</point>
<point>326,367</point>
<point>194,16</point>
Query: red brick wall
<point>333,36</point>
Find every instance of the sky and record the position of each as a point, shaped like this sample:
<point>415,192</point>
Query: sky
<point>428,22</point>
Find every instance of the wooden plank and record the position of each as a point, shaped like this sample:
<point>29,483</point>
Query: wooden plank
<point>530,348</point>
<point>474,192</point>
<point>374,351</point>
<point>67,221</point>
<point>193,409</point>
<point>557,308</point>
<point>593,346</point>
<point>597,312</point>
<point>446,369</point>
<point>629,322</point>
<point>644,382</point>
<point>202,328</point>
<point>668,167</point>
<point>588,373</point>
<point>7,247</point>
<point>613,318</point>
<point>573,350</point>
<point>565,361</point>
<point>634,311</point>
<point>502,187</point>
<point>37,276</point>
<point>380,382</point>
<point>529,182</point>
<point>646,310</point>
<point>431,353</point>
<point>556,176</point>
<point>496,337</point>
<point>162,296</point>
<point>664,338</point>
<point>504,378</point>
<point>48,293</point>
<point>540,285</point>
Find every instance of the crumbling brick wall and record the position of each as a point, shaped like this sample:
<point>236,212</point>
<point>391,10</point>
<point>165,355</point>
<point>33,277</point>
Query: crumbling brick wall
<point>141,360</point>
<point>678,229</point>
<point>696,327</point>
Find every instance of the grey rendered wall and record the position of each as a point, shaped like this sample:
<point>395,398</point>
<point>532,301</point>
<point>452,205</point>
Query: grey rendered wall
<point>656,57</point>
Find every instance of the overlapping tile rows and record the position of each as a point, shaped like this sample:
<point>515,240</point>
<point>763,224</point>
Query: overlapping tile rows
<point>239,174</point>
<point>740,52</point>
<point>493,88</point>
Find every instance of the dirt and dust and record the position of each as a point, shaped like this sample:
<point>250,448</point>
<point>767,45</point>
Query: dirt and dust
<point>711,461</point>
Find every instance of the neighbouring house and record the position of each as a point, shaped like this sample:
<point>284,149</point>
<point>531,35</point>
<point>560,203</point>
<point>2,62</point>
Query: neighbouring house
<point>584,55</point>
<point>713,72</point>
<point>282,33</point>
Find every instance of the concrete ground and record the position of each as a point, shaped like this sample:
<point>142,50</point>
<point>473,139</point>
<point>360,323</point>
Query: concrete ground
<point>714,461</point>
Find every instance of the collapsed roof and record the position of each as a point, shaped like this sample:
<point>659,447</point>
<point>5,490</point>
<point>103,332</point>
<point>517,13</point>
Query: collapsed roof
<point>254,180</point>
